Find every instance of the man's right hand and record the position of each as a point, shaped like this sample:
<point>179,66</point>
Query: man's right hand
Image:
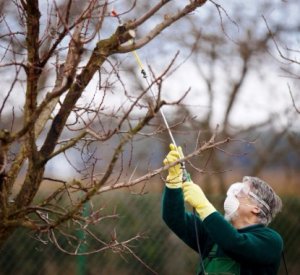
<point>174,178</point>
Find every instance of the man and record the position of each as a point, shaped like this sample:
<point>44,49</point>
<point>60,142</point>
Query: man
<point>238,243</point>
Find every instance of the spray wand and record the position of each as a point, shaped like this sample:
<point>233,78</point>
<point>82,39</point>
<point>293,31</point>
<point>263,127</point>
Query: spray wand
<point>186,175</point>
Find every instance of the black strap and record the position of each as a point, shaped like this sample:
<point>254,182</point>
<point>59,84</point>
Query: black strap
<point>284,262</point>
<point>198,242</point>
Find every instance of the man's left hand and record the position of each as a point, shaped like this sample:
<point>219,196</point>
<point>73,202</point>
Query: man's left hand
<point>194,195</point>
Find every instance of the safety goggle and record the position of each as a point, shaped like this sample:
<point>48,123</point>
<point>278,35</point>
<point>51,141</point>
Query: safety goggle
<point>242,189</point>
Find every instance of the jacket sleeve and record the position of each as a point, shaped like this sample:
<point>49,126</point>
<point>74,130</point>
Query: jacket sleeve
<point>258,245</point>
<point>182,222</point>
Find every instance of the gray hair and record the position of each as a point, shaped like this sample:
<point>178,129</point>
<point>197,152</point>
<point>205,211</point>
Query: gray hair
<point>268,201</point>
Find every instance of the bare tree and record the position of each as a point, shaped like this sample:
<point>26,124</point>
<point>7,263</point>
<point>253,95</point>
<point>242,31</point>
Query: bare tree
<point>289,56</point>
<point>60,68</point>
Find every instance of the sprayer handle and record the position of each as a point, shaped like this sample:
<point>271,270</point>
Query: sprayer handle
<point>186,176</point>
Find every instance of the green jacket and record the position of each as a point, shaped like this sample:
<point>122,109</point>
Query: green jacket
<point>257,248</point>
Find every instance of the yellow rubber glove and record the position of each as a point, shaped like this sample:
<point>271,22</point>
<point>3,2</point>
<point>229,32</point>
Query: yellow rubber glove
<point>194,195</point>
<point>174,178</point>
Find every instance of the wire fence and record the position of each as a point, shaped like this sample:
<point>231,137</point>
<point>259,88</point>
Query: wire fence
<point>159,249</point>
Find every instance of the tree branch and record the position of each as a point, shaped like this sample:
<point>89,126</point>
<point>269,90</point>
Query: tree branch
<point>169,20</point>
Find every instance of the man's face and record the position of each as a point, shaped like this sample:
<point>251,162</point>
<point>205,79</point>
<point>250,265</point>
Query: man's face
<point>238,203</point>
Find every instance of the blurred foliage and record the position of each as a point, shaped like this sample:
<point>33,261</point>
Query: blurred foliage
<point>160,249</point>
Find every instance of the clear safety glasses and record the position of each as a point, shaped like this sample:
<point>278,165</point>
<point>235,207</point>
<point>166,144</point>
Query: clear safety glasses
<point>242,190</point>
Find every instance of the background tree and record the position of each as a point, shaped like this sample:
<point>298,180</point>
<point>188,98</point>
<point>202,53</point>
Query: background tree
<point>238,83</point>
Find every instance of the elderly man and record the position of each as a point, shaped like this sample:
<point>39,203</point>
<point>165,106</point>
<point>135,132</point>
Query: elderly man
<point>238,243</point>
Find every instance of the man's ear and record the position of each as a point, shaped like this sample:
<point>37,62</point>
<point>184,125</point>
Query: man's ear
<point>255,210</point>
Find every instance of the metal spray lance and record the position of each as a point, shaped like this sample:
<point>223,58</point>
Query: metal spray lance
<point>186,175</point>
